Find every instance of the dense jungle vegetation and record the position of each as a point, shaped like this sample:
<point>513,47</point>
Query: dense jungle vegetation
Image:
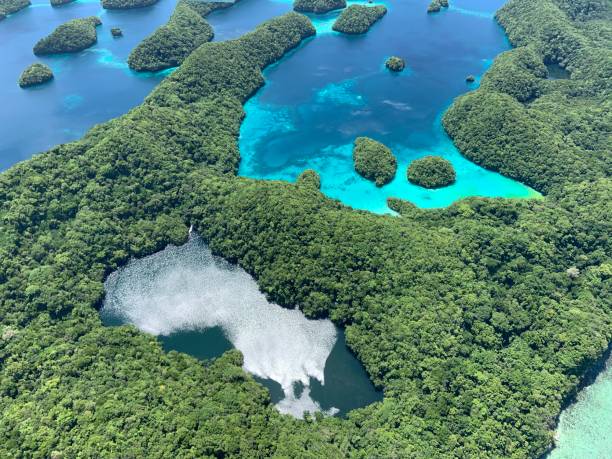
<point>126,4</point>
<point>431,172</point>
<point>374,161</point>
<point>318,6</point>
<point>71,37</point>
<point>12,6</point>
<point>35,74</point>
<point>170,44</point>
<point>60,2</point>
<point>357,19</point>
<point>395,64</point>
<point>479,321</point>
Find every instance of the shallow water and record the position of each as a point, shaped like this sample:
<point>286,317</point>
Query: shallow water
<point>585,428</point>
<point>202,305</point>
<point>335,88</point>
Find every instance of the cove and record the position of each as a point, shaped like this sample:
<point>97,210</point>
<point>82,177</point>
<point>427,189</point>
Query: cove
<point>585,427</point>
<point>335,87</point>
<point>202,305</point>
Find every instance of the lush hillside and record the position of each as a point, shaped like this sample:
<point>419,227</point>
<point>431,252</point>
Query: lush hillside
<point>170,44</point>
<point>479,320</point>
<point>70,37</point>
<point>318,6</point>
<point>126,4</point>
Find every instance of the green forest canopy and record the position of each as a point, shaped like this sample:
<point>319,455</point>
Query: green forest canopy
<point>467,316</point>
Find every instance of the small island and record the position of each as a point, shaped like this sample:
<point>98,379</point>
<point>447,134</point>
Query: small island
<point>34,75</point>
<point>431,172</point>
<point>358,19</point>
<point>126,4</point>
<point>170,44</point>
<point>436,5</point>
<point>374,161</point>
<point>116,32</point>
<point>310,179</point>
<point>395,64</point>
<point>60,2</point>
<point>318,6</point>
<point>470,78</point>
<point>70,37</point>
<point>12,6</point>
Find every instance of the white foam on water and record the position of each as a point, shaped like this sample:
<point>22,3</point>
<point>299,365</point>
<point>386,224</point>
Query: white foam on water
<point>187,288</point>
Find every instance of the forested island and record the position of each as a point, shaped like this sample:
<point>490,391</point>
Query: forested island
<point>471,318</point>
<point>170,44</point>
<point>436,5</point>
<point>318,6</point>
<point>395,64</point>
<point>71,37</point>
<point>60,2</point>
<point>12,6</point>
<point>431,172</point>
<point>374,161</point>
<point>126,4</point>
<point>35,74</point>
<point>357,19</point>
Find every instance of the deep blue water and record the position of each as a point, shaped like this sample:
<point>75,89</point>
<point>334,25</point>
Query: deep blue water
<point>336,88</point>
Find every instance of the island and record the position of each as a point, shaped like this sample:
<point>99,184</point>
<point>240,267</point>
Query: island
<point>436,5</point>
<point>70,37</point>
<point>171,43</point>
<point>126,4</point>
<point>35,74</point>
<point>431,172</point>
<point>470,78</point>
<point>395,64</point>
<point>318,6</point>
<point>374,161</point>
<point>358,19</point>
<point>116,32</point>
<point>12,6</point>
<point>60,2</point>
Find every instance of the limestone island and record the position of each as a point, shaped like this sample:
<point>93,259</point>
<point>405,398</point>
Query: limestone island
<point>126,4</point>
<point>431,172</point>
<point>71,37</point>
<point>436,5</point>
<point>116,32</point>
<point>470,78</point>
<point>358,19</point>
<point>318,6</point>
<point>395,64</point>
<point>171,43</point>
<point>35,74</point>
<point>12,6</point>
<point>60,2</point>
<point>374,161</point>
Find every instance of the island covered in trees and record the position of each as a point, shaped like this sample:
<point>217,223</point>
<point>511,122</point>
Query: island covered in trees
<point>126,4</point>
<point>479,321</point>
<point>374,161</point>
<point>70,37</point>
<point>357,19</point>
<point>35,74</point>
<point>12,6</point>
<point>318,6</point>
<point>431,172</point>
<point>171,43</point>
<point>395,64</point>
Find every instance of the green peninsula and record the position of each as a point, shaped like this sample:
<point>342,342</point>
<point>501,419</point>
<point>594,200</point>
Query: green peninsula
<point>70,37</point>
<point>357,19</point>
<point>170,44</point>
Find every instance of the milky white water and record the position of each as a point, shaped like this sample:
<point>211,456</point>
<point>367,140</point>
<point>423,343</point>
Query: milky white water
<point>187,288</point>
